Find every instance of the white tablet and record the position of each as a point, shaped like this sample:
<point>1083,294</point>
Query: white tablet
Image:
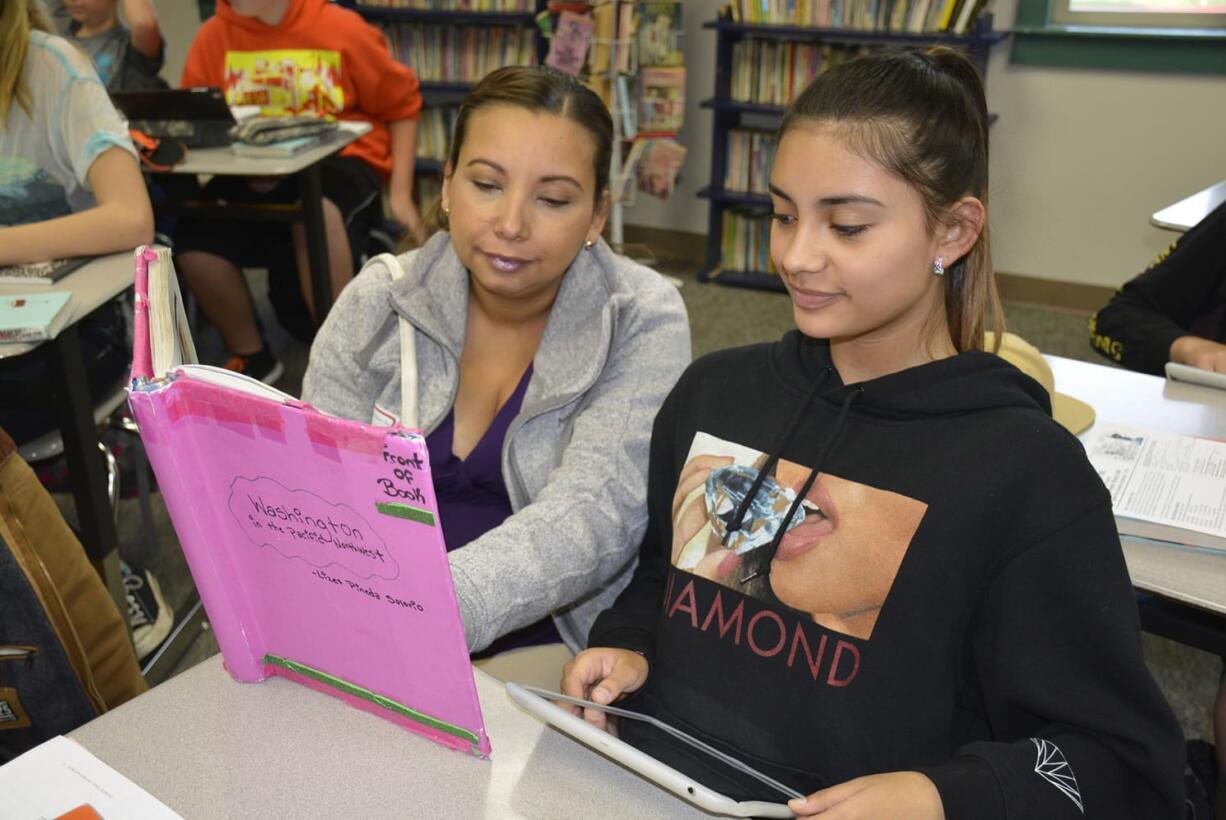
<point>1186,373</point>
<point>538,702</point>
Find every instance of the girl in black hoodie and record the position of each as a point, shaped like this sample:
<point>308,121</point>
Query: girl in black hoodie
<point>875,568</point>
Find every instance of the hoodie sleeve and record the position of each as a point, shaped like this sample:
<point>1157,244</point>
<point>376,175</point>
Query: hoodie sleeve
<point>1142,321</point>
<point>338,381</point>
<point>631,622</point>
<point>1060,669</point>
<point>581,529</point>
<point>387,90</point>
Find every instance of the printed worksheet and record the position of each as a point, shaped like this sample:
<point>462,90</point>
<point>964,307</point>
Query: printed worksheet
<point>1164,478</point>
<point>61,778</point>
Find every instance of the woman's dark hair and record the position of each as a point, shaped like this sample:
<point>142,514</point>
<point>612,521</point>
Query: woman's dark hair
<point>923,116</point>
<point>541,89</point>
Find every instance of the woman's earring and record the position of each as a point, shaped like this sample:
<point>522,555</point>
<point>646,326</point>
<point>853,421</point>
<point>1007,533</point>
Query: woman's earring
<point>446,211</point>
<point>938,266</point>
<point>587,246</point>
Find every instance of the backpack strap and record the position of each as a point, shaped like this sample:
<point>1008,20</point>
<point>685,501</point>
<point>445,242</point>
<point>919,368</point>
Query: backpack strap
<point>408,352</point>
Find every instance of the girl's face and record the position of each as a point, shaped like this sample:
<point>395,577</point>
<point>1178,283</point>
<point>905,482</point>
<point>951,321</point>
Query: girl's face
<point>522,200</point>
<point>850,241</point>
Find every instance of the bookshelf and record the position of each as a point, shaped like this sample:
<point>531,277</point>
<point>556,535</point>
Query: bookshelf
<point>452,44</point>
<point>748,106</point>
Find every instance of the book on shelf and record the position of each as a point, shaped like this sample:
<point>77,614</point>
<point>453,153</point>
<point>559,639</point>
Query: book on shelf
<point>435,125</point>
<point>773,72</point>
<point>625,108</point>
<point>750,155</point>
<point>745,242</point>
<point>455,53</point>
<point>1164,486</point>
<point>660,166</point>
<point>572,35</point>
<point>661,99</point>
<point>40,273</point>
<point>892,16</point>
<point>660,25</point>
<point>34,317</point>
<point>314,541</point>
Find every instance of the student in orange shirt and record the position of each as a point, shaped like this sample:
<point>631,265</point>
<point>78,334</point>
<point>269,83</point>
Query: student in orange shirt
<point>298,57</point>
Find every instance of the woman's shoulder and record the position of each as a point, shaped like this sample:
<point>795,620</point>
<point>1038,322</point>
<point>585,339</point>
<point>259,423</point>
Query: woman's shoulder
<point>644,287</point>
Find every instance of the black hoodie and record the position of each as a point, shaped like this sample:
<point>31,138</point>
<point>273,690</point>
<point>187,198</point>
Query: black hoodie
<point>949,595</point>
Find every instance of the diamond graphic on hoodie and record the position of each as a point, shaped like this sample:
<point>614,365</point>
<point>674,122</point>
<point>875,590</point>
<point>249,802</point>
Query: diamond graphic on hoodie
<point>727,487</point>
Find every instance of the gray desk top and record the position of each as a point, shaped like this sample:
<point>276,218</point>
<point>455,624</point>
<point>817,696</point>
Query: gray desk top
<point>1187,212</point>
<point>209,747</point>
<point>91,285</point>
<point>224,162</point>
<point>1154,403</point>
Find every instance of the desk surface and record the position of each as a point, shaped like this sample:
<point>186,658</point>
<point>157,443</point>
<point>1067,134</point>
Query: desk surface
<point>207,746</point>
<point>224,162</point>
<point>91,285</point>
<point>1187,212</point>
<point>1151,402</point>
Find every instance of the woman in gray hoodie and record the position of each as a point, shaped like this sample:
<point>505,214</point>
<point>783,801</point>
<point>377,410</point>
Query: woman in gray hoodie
<point>541,358</point>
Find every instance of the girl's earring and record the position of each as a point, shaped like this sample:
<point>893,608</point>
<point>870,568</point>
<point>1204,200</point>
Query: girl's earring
<point>938,266</point>
<point>446,211</point>
<point>587,246</point>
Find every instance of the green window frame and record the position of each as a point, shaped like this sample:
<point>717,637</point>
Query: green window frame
<point>1038,39</point>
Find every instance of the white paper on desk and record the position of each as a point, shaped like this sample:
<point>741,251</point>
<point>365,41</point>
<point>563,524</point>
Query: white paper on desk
<point>1164,478</point>
<point>60,775</point>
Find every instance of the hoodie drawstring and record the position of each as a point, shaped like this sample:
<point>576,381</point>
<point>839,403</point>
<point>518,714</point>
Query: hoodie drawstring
<point>840,421</point>
<point>773,459</point>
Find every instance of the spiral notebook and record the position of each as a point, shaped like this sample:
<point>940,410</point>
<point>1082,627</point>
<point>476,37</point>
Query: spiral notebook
<point>314,541</point>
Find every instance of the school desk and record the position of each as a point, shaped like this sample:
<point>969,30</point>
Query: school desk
<point>305,167</point>
<point>207,746</point>
<point>1188,211</point>
<point>92,285</point>
<point>1188,588</point>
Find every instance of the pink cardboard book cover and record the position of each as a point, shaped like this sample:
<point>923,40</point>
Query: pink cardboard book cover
<point>314,542</point>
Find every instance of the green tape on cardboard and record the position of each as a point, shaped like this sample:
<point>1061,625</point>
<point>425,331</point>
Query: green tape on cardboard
<point>398,510</point>
<point>367,695</point>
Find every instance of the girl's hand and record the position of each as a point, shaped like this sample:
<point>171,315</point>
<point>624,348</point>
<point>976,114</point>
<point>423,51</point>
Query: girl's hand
<point>897,795</point>
<point>602,675</point>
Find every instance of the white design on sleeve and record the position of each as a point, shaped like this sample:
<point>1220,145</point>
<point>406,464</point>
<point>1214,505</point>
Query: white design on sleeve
<point>1051,765</point>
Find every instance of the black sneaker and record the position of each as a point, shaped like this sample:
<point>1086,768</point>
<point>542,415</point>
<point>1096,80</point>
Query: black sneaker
<point>262,366</point>
<point>149,616</point>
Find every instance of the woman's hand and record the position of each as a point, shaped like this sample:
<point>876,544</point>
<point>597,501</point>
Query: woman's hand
<point>602,675</point>
<point>897,795</point>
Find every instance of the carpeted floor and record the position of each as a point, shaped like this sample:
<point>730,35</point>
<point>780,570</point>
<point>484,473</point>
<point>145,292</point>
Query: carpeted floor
<point>720,317</point>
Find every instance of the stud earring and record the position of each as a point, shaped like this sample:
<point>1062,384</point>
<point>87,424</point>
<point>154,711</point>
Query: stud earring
<point>938,266</point>
<point>587,246</point>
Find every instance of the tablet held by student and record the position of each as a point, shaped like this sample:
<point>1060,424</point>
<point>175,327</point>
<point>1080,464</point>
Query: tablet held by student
<point>875,568</point>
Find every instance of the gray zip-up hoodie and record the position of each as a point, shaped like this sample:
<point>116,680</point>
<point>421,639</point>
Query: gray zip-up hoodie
<point>574,459</point>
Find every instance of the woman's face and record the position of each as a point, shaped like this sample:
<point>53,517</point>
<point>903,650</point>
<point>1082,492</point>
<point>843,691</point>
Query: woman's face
<point>851,243</point>
<point>842,559</point>
<point>521,200</point>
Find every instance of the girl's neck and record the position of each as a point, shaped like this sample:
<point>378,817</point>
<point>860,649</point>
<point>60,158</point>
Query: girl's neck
<point>101,27</point>
<point>861,360</point>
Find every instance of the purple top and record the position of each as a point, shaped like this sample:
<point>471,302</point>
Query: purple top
<point>472,497</point>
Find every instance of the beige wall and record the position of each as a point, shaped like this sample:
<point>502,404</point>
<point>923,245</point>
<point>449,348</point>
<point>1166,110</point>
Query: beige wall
<point>179,20</point>
<point>1080,159</point>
